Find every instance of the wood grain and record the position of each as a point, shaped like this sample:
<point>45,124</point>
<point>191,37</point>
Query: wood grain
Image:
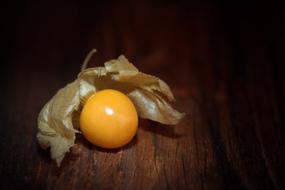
<point>223,61</point>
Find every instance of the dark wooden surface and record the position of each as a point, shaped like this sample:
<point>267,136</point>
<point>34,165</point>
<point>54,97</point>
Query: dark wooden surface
<point>223,61</point>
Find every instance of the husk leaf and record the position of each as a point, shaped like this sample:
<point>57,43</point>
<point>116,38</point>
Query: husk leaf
<point>150,95</point>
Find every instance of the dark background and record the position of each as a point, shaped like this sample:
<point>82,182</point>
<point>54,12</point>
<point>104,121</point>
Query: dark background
<point>224,61</point>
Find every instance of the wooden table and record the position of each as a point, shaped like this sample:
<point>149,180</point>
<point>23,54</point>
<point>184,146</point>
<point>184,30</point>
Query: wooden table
<point>224,63</point>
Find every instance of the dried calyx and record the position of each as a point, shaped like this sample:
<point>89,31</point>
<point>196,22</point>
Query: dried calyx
<point>150,95</point>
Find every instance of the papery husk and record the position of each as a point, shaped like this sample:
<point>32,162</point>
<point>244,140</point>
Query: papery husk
<point>150,95</point>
